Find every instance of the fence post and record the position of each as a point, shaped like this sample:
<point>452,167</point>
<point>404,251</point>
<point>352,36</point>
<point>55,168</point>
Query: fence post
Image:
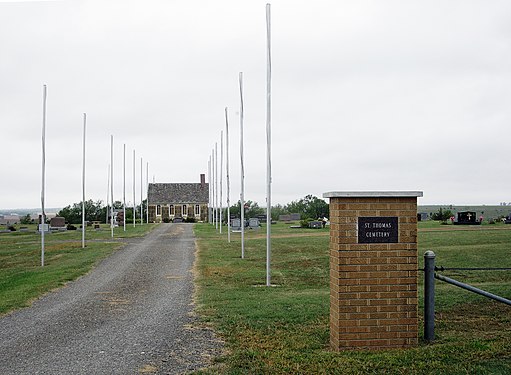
<point>429,296</point>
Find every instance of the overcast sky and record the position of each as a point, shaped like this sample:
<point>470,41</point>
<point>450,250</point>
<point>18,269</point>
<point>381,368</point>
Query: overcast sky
<point>367,95</point>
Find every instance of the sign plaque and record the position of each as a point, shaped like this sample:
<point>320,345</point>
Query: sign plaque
<point>378,229</point>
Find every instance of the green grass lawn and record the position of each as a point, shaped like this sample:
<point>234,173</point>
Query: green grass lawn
<point>285,329</point>
<point>22,279</point>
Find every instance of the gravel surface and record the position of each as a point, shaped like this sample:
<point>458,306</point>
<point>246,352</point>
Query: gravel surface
<point>132,314</point>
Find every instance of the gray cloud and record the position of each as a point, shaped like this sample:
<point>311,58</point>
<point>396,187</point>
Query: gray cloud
<point>366,96</point>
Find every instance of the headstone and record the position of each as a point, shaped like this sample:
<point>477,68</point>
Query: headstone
<point>253,223</point>
<point>262,218</point>
<point>467,218</point>
<point>57,222</point>
<point>315,224</point>
<point>45,227</point>
<point>236,224</point>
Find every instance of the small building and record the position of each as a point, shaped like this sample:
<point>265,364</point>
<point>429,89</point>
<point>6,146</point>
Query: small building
<point>169,201</point>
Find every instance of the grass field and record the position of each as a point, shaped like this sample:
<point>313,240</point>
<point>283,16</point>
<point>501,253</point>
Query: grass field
<point>22,279</point>
<point>285,330</point>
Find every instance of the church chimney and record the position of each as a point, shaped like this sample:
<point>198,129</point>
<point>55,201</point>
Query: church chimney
<point>202,180</point>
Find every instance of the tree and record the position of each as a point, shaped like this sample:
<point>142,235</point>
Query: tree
<point>94,211</point>
<point>442,215</point>
<point>278,210</point>
<point>309,207</point>
<point>26,219</point>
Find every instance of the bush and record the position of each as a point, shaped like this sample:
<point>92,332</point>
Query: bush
<point>190,220</point>
<point>305,223</point>
<point>71,227</point>
<point>11,228</point>
<point>166,220</point>
<point>442,215</point>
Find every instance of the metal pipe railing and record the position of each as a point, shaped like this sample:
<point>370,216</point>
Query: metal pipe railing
<point>429,293</point>
<point>473,289</point>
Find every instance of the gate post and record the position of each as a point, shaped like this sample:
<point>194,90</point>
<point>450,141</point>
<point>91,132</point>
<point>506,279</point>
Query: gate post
<point>373,269</point>
<point>429,296</point>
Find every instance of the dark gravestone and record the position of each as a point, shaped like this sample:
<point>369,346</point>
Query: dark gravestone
<point>57,222</point>
<point>467,218</point>
<point>316,224</point>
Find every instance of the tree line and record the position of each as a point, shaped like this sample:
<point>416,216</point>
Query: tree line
<point>96,211</point>
<point>309,207</point>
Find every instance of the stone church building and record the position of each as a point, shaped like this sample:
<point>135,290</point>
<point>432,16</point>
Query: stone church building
<point>178,200</point>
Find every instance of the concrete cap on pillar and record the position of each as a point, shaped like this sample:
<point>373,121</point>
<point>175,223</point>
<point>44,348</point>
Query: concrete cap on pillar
<point>372,194</point>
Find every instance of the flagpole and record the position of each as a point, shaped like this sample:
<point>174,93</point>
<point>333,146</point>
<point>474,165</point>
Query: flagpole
<point>242,195</point>
<point>213,213</point>
<point>83,181</point>
<point>221,176</point>
<point>112,184</point>
<point>216,183</point>
<point>134,202</point>
<point>141,192</point>
<point>227,175</point>
<point>268,143</point>
<point>108,195</point>
<point>209,191</point>
<point>43,166</point>
<point>124,187</point>
<point>147,192</point>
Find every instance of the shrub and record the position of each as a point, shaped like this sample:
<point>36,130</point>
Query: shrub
<point>305,223</point>
<point>190,220</point>
<point>71,227</point>
<point>11,228</point>
<point>166,220</point>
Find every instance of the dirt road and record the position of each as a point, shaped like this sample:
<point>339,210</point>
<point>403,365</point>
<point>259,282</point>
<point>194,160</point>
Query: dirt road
<point>132,314</point>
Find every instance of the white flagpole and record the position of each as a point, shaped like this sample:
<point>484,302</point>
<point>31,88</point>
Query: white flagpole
<point>147,192</point>
<point>268,143</point>
<point>216,183</point>
<point>141,192</point>
<point>108,195</point>
<point>124,187</point>
<point>213,211</point>
<point>43,166</point>
<point>242,195</point>
<point>112,184</point>
<point>209,190</point>
<point>221,176</point>
<point>83,181</point>
<point>134,201</point>
<point>227,175</point>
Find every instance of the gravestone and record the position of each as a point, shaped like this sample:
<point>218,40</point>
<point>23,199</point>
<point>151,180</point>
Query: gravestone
<point>236,224</point>
<point>373,270</point>
<point>467,218</point>
<point>253,223</point>
<point>57,222</point>
<point>316,225</point>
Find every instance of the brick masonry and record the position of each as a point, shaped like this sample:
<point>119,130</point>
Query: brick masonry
<point>373,286</point>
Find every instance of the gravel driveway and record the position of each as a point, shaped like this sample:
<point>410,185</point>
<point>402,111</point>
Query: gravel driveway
<point>132,314</point>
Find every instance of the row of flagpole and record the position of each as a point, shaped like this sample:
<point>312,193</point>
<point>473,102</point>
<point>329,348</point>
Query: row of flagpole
<point>216,209</point>
<point>110,186</point>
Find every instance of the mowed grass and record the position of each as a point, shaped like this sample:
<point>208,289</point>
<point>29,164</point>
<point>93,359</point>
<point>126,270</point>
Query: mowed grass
<point>22,279</point>
<point>284,329</point>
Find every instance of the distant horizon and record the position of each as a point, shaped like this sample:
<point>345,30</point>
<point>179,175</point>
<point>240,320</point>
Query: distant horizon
<point>57,209</point>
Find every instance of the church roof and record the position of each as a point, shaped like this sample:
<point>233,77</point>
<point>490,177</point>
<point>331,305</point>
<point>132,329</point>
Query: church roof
<point>178,193</point>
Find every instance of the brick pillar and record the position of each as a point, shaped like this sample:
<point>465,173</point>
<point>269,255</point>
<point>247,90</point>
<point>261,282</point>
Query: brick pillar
<point>373,270</point>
